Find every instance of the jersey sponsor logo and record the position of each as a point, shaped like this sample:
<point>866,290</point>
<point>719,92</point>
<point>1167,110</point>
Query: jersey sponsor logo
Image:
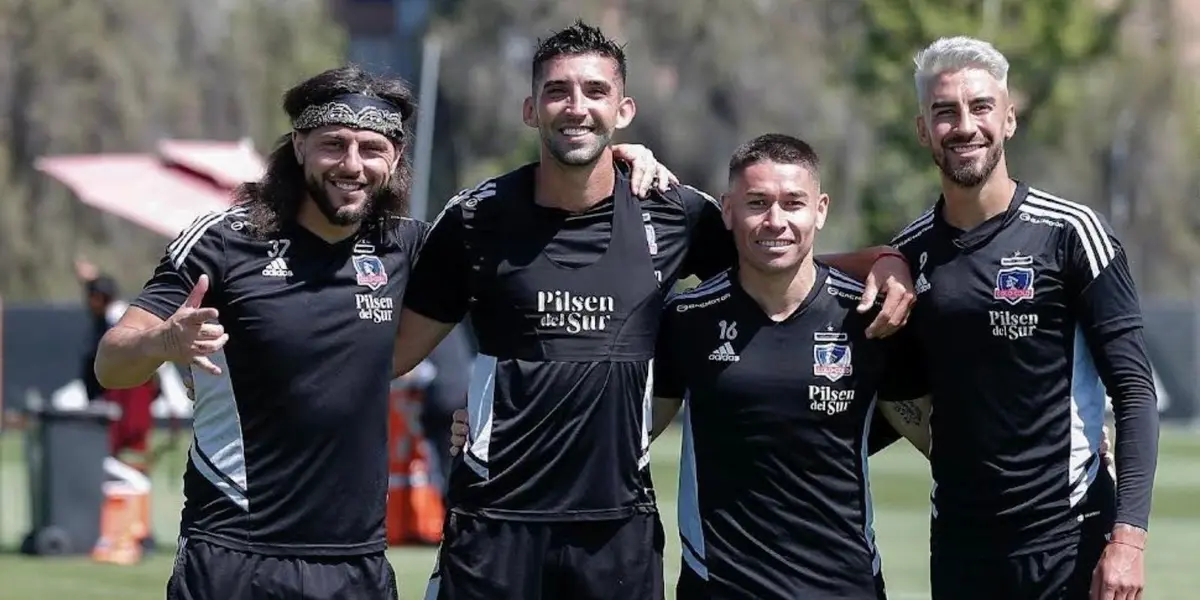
<point>824,399</point>
<point>278,265</point>
<point>1012,326</point>
<point>1014,280</point>
<point>375,310</point>
<point>705,304</point>
<point>922,284</point>
<point>277,268</point>
<point>831,355</point>
<point>574,313</point>
<point>1028,218</point>
<point>724,353</point>
<point>369,271</point>
<point>843,294</point>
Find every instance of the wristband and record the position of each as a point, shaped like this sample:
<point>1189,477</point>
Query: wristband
<point>892,252</point>
<point>1141,548</point>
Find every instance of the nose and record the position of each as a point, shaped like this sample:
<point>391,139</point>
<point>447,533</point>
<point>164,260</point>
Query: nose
<point>966,123</point>
<point>351,160</point>
<point>775,218</point>
<point>575,102</point>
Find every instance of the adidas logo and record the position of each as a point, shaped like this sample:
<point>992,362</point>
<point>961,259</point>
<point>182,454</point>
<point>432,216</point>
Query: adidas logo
<point>922,284</point>
<point>277,268</point>
<point>724,353</point>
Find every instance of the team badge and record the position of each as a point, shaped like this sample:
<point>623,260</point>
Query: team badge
<point>1014,280</point>
<point>370,272</point>
<point>831,356</point>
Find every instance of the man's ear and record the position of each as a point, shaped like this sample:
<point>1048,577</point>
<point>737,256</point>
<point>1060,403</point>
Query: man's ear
<point>298,146</point>
<point>529,113</point>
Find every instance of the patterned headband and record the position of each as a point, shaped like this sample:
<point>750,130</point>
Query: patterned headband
<point>354,110</point>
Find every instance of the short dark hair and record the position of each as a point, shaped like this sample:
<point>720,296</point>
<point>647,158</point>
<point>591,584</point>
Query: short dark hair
<point>579,38</point>
<point>775,147</point>
<point>276,198</point>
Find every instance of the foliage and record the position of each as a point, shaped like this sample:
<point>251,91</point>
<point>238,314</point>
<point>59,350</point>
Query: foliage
<point>118,76</point>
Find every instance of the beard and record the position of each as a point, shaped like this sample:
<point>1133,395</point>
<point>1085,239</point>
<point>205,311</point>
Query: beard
<point>574,154</point>
<point>969,174</point>
<point>341,216</point>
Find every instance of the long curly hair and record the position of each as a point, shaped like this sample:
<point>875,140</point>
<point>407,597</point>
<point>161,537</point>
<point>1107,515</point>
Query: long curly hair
<point>276,198</point>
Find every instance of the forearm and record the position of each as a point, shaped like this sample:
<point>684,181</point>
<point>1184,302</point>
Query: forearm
<point>1131,384</point>
<point>128,357</point>
<point>665,410</point>
<point>1136,453</point>
<point>910,418</point>
<point>857,264</point>
<point>416,337</point>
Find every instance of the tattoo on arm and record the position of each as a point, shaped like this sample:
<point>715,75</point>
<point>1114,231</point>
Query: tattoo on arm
<point>909,411</point>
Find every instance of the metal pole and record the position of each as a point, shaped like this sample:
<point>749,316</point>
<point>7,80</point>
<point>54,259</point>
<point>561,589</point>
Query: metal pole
<point>431,57</point>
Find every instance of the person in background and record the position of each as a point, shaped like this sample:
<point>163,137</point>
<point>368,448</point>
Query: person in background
<point>453,359</point>
<point>130,433</point>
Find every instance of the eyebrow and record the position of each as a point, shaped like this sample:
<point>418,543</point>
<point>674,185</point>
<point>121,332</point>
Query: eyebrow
<point>601,82</point>
<point>948,104</point>
<point>793,193</point>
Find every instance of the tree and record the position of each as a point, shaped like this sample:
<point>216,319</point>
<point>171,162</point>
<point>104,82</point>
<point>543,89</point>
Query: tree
<point>1050,46</point>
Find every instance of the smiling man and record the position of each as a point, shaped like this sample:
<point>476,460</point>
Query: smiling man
<point>774,498</point>
<point>1026,311</point>
<point>285,308</point>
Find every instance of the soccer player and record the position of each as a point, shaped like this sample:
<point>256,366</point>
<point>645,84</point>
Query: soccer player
<point>564,274</point>
<point>779,452</point>
<point>1026,313</point>
<point>781,385</point>
<point>284,308</point>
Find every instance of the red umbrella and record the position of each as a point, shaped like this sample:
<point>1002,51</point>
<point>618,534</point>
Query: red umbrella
<point>163,192</point>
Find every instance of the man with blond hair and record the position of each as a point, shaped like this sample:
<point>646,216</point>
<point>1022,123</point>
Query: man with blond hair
<point>1026,313</point>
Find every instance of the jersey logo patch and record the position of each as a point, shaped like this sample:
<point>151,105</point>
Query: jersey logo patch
<point>277,268</point>
<point>832,357</point>
<point>1014,280</point>
<point>724,353</point>
<point>370,271</point>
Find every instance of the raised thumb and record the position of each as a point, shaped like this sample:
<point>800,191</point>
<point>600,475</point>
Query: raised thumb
<point>197,296</point>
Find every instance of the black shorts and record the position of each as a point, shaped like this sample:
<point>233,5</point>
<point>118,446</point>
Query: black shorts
<point>205,571</point>
<point>693,587</point>
<point>1060,573</point>
<point>491,559</point>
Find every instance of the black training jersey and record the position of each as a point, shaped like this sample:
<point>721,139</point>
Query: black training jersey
<point>565,308</point>
<point>289,450</point>
<point>774,498</point>
<point>1009,318</point>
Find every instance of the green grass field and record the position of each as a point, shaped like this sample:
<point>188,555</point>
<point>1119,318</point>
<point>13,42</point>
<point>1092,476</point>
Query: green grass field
<point>899,480</point>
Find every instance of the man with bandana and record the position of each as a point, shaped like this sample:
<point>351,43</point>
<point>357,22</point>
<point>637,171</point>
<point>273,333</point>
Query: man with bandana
<point>284,307</point>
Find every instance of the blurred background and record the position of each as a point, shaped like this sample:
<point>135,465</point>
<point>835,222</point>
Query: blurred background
<point>121,120</point>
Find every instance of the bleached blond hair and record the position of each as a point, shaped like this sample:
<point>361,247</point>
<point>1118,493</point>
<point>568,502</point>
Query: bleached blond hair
<point>955,54</point>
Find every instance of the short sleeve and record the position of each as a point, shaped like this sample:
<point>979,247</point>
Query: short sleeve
<point>438,288</point>
<point>199,250</point>
<point>905,375</point>
<point>1098,278</point>
<point>668,374</point>
<point>710,245</point>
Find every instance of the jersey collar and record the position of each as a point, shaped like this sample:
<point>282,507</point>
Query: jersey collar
<point>819,285</point>
<point>984,232</point>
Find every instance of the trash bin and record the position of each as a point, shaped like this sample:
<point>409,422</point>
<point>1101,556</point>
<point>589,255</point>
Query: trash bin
<point>65,452</point>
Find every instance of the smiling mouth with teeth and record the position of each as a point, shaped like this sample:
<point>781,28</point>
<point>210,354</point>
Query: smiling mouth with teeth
<point>774,243</point>
<point>574,131</point>
<point>348,186</point>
